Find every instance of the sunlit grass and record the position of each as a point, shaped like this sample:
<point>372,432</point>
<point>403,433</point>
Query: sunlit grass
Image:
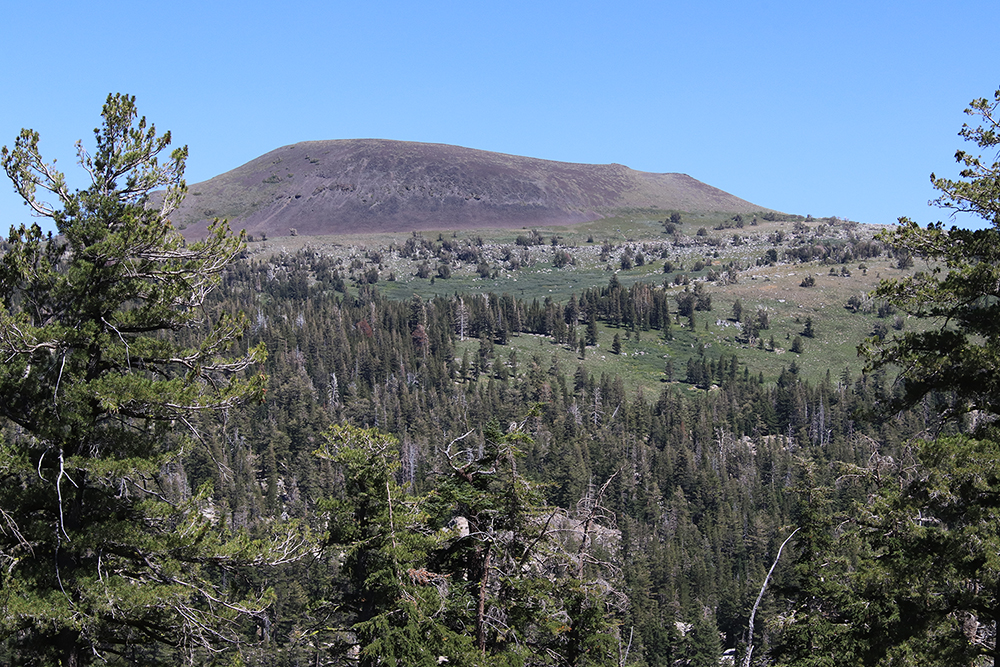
<point>708,242</point>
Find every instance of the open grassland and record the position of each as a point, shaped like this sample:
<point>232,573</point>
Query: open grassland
<point>837,330</point>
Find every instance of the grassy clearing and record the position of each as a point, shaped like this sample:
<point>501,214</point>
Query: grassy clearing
<point>838,331</point>
<point>641,363</point>
<point>710,243</point>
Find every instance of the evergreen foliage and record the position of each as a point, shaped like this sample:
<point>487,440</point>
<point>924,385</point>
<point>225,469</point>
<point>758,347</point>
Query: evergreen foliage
<point>107,554</point>
<point>921,586</point>
<point>603,528</point>
<point>478,552</point>
<point>703,496</point>
<point>958,292</point>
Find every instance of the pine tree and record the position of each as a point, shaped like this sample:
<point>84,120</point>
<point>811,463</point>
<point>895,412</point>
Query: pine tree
<point>809,331</point>
<point>100,557</point>
<point>933,571</point>
<point>959,294</point>
<point>703,644</point>
<point>816,631</point>
<point>473,572</point>
<point>390,597</point>
<point>931,585</point>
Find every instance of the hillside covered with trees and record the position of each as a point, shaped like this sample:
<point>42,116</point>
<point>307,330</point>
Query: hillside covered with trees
<point>215,456</point>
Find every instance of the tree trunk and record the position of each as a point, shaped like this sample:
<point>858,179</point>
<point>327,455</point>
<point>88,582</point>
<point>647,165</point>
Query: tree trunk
<point>481,605</point>
<point>70,652</point>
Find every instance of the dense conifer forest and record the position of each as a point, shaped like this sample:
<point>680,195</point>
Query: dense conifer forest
<point>698,485</point>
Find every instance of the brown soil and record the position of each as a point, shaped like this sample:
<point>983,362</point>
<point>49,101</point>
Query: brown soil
<point>364,185</point>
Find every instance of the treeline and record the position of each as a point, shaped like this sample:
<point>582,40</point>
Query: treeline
<point>828,240</point>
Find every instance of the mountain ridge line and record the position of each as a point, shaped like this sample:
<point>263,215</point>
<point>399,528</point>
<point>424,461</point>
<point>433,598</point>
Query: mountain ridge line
<point>347,186</point>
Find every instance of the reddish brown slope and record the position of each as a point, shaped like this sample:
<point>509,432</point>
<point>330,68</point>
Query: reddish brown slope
<point>332,187</point>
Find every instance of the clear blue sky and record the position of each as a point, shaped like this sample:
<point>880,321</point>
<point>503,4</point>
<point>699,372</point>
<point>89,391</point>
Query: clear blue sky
<point>824,108</point>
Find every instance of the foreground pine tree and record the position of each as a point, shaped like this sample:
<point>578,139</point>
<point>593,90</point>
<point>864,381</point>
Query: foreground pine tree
<point>935,530</point>
<point>104,557</point>
<point>475,572</point>
<point>921,583</point>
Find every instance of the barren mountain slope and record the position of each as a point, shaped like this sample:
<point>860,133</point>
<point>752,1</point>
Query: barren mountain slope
<point>346,186</point>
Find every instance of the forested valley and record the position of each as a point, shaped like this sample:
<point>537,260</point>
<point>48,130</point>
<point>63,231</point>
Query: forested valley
<point>697,486</point>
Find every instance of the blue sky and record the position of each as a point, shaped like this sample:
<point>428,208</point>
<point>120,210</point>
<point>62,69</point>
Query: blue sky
<point>823,108</point>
